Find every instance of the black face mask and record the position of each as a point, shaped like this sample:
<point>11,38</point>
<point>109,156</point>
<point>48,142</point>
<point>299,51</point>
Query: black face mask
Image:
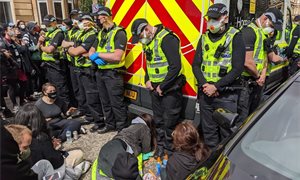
<point>52,95</point>
<point>19,36</point>
<point>97,21</point>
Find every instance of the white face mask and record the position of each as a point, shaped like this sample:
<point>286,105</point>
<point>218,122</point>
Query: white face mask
<point>22,26</point>
<point>215,26</point>
<point>145,40</point>
<point>81,26</point>
<point>267,30</point>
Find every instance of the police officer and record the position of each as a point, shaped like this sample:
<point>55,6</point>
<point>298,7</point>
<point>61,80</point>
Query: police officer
<point>218,63</point>
<point>69,41</point>
<point>293,51</point>
<point>258,52</point>
<point>86,77</point>
<point>163,77</point>
<point>50,45</point>
<point>108,53</point>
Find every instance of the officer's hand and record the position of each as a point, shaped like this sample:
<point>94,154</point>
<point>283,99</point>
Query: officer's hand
<point>261,80</point>
<point>209,89</point>
<point>149,85</point>
<point>159,91</point>
<point>66,44</point>
<point>298,64</point>
<point>41,39</point>
<point>94,56</point>
<point>100,61</point>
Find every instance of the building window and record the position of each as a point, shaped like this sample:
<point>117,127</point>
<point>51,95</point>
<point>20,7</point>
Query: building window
<point>43,9</point>
<point>58,10</point>
<point>5,12</point>
<point>70,6</point>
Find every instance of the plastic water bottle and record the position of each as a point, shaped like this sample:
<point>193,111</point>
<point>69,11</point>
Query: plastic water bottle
<point>69,137</point>
<point>75,135</point>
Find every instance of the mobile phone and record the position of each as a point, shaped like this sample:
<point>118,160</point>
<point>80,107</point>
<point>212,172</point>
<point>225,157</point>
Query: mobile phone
<point>54,176</point>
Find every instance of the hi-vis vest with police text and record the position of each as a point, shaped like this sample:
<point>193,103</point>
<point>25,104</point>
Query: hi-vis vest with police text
<point>297,46</point>
<point>157,66</point>
<point>82,36</point>
<point>49,37</point>
<point>70,37</point>
<point>109,46</point>
<point>259,54</point>
<point>211,65</point>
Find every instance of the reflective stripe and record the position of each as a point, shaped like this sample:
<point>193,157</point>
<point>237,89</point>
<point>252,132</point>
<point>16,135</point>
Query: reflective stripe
<point>260,44</point>
<point>160,35</point>
<point>157,65</point>
<point>157,75</point>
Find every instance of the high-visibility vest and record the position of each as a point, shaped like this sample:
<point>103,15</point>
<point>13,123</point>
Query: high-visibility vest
<point>259,55</point>
<point>97,173</point>
<point>157,63</point>
<point>297,46</point>
<point>85,62</point>
<point>211,65</point>
<point>49,38</point>
<point>109,47</point>
<point>70,37</point>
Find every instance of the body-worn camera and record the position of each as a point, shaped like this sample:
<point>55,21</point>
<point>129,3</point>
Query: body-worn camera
<point>219,51</point>
<point>148,54</point>
<point>223,71</point>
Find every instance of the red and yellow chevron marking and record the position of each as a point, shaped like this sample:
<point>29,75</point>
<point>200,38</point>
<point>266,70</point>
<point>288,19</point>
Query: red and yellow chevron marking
<point>182,17</point>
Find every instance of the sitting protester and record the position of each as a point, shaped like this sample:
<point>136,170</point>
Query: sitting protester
<point>69,164</point>
<point>14,153</point>
<point>54,110</point>
<point>190,150</point>
<point>139,137</point>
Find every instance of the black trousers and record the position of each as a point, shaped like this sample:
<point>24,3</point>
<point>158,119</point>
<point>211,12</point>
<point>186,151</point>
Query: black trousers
<point>88,87</point>
<point>213,134</point>
<point>293,66</point>
<point>79,95</point>
<point>166,114</point>
<point>111,89</point>
<point>57,75</point>
<point>250,98</point>
<point>59,128</point>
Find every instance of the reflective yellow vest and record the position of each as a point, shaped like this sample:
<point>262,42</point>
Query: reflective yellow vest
<point>157,66</point>
<point>211,65</point>
<point>297,46</point>
<point>84,62</point>
<point>259,55</point>
<point>70,37</point>
<point>109,47</point>
<point>49,37</point>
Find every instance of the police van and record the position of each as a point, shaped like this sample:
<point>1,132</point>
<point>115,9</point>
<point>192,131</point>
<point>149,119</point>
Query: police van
<point>186,19</point>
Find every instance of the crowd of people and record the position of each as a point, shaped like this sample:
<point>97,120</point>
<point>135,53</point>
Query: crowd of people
<point>71,74</point>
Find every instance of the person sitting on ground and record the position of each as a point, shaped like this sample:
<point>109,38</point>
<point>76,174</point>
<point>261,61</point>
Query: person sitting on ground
<point>53,110</point>
<point>14,153</point>
<point>66,163</point>
<point>190,150</point>
<point>139,137</point>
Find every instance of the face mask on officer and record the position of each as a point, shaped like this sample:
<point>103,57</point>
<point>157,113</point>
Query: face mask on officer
<point>214,26</point>
<point>81,26</point>
<point>64,28</point>
<point>52,95</point>
<point>50,29</point>
<point>267,29</point>
<point>146,40</point>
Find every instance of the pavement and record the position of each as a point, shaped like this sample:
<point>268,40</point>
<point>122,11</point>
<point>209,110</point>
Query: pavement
<point>90,144</point>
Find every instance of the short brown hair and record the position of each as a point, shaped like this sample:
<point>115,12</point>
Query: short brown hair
<point>46,85</point>
<point>186,139</point>
<point>17,131</point>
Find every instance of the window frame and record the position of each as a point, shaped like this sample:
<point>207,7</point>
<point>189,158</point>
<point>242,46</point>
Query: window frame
<point>12,12</point>
<point>39,9</point>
